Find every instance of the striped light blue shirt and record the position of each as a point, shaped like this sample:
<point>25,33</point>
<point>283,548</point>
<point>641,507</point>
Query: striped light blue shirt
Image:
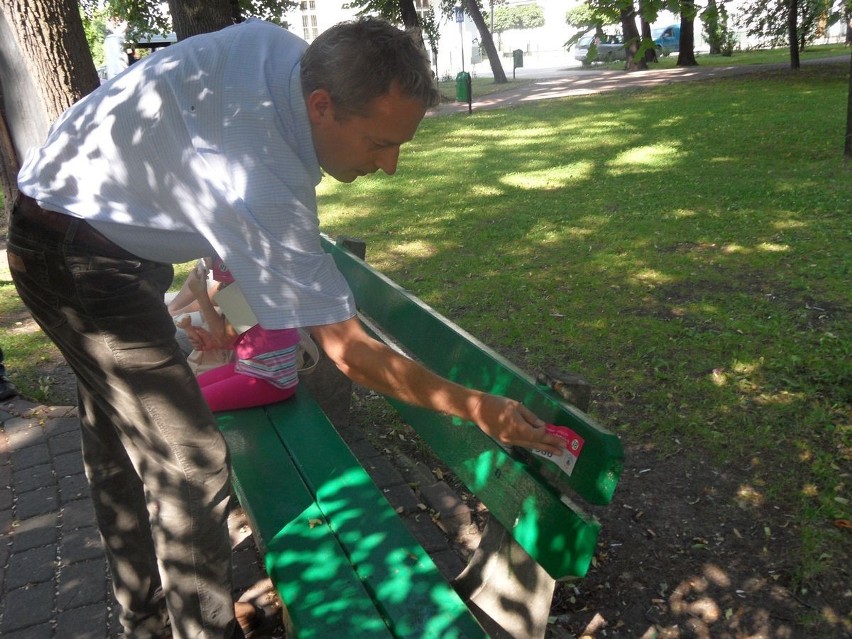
<point>203,147</point>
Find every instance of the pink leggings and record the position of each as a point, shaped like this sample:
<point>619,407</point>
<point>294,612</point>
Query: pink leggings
<point>225,389</point>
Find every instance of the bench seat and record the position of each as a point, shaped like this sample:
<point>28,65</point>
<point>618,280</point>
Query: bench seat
<point>342,561</point>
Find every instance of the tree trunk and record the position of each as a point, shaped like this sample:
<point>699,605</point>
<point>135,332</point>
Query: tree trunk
<point>847,149</point>
<point>191,17</point>
<point>650,52</point>
<point>686,47</point>
<point>236,12</point>
<point>411,20</point>
<point>409,14</point>
<point>792,32</point>
<point>45,66</point>
<point>485,39</point>
<point>631,39</point>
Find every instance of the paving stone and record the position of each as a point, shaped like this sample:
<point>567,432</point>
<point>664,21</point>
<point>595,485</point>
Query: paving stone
<point>449,564</point>
<point>6,521</point>
<point>362,449</point>
<point>87,622</point>
<point>60,425</point>
<point>383,472</point>
<point>32,566</point>
<point>33,478</point>
<point>81,584</point>
<point>28,606</point>
<point>23,432</point>
<point>454,516</point>
<point>37,502</point>
<point>73,487</point>
<point>402,498</point>
<point>426,532</point>
<point>70,463</point>
<point>80,545</point>
<point>40,530</point>
<point>41,631</point>
<point>35,455</point>
<point>64,443</point>
<point>5,497</point>
<point>6,472</point>
<point>78,514</point>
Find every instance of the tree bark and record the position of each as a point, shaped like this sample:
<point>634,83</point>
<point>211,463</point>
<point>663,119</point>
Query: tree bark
<point>411,20</point>
<point>686,47</point>
<point>191,17</point>
<point>485,39</point>
<point>847,149</point>
<point>409,14</point>
<point>650,52</point>
<point>45,66</point>
<point>631,39</point>
<point>792,22</point>
<point>236,12</point>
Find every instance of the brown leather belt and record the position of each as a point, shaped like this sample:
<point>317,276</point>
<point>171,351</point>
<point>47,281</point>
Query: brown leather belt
<point>27,210</point>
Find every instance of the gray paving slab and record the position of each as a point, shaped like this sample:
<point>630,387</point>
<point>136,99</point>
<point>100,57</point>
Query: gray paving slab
<point>54,580</point>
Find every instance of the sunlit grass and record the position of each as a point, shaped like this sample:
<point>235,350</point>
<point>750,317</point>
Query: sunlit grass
<point>687,249</point>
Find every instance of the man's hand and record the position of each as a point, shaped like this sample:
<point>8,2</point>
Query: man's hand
<point>374,365</point>
<point>513,424</point>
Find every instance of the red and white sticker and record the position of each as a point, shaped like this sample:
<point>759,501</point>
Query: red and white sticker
<point>573,446</point>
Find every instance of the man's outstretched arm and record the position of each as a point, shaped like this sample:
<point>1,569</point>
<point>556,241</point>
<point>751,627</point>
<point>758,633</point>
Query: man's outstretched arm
<point>372,364</point>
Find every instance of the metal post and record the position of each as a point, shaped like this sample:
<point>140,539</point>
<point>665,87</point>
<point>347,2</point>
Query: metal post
<point>459,10</point>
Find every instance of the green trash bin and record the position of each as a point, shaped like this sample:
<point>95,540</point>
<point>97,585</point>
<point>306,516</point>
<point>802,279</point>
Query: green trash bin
<point>518,55</point>
<point>463,86</point>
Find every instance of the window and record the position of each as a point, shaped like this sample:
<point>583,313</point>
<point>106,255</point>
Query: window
<point>309,27</point>
<point>309,19</point>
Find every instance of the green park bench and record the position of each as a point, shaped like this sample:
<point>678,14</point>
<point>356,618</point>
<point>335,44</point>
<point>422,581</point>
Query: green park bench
<point>338,553</point>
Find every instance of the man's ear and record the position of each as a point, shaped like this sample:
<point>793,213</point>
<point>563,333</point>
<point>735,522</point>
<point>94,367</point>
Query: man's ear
<point>320,106</point>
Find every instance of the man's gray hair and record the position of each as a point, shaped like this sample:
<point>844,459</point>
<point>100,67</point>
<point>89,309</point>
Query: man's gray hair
<point>358,61</point>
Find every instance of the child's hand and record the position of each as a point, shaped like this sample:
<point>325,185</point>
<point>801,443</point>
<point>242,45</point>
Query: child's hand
<point>201,339</point>
<point>197,281</point>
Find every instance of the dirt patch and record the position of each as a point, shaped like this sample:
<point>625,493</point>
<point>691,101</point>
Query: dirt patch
<point>687,550</point>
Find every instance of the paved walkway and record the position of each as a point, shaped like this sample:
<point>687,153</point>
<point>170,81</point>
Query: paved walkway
<point>53,573</point>
<point>575,81</point>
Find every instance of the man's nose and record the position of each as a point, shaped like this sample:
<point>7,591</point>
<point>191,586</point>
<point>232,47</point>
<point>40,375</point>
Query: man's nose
<point>387,159</point>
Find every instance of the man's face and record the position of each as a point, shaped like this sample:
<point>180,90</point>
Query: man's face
<point>351,146</point>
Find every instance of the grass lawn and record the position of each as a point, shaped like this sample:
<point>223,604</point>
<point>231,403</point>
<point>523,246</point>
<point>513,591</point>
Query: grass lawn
<point>688,249</point>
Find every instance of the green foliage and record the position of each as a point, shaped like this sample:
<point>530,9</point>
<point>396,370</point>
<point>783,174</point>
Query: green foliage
<point>525,16</point>
<point>145,17</point>
<point>387,9</point>
<point>768,20</point>
<point>94,24</point>
<point>718,34</point>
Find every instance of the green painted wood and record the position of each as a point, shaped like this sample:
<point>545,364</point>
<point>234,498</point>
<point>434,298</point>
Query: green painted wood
<point>414,597</point>
<point>467,361</point>
<point>312,573</point>
<point>555,531</point>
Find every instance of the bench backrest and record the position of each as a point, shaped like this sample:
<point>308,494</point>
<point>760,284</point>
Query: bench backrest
<point>520,490</point>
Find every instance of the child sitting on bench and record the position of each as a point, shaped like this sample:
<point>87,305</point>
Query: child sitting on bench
<point>265,369</point>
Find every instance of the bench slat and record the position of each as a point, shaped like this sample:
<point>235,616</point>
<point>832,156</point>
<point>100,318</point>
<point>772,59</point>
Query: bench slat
<point>453,353</point>
<point>310,570</point>
<point>556,532</point>
<point>402,578</point>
